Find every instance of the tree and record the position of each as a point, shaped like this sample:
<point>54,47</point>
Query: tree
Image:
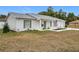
<point>50,9</point>
<point>2,16</point>
<point>6,28</point>
<point>71,17</point>
<point>60,11</point>
<point>43,13</point>
<point>55,14</point>
<point>77,17</point>
<point>64,17</point>
<point>61,14</point>
<point>49,12</point>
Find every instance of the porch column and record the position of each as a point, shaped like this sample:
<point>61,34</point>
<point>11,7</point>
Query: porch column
<point>40,24</point>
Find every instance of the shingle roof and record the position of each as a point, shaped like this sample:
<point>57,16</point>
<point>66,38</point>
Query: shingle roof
<point>44,17</point>
<point>33,16</point>
<point>19,15</point>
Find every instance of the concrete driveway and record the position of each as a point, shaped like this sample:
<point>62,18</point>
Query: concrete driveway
<point>66,29</point>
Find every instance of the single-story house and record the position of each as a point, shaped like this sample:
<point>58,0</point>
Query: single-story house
<point>21,22</point>
<point>2,22</point>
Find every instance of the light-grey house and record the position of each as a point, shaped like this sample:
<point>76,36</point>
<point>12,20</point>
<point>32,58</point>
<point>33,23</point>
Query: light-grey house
<point>21,22</point>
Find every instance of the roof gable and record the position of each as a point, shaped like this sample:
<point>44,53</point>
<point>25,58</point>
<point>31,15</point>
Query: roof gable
<point>22,16</point>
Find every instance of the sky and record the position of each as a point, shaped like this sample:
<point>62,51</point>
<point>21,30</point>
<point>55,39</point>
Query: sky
<point>36,9</point>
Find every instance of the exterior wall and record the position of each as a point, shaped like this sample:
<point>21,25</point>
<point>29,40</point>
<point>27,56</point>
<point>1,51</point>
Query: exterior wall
<point>2,24</point>
<point>35,25</point>
<point>19,25</point>
<point>11,23</point>
<point>53,27</point>
<point>47,24</point>
<point>61,24</point>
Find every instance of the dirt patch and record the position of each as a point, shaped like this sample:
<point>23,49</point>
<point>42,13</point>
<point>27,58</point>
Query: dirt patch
<point>40,41</point>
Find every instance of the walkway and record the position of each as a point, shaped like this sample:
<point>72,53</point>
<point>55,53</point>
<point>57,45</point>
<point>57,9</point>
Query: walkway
<point>66,29</point>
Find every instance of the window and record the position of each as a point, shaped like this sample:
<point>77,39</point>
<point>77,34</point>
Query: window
<point>27,23</point>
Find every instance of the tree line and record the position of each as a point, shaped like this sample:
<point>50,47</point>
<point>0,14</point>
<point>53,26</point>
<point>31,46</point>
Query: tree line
<point>68,17</point>
<point>3,16</point>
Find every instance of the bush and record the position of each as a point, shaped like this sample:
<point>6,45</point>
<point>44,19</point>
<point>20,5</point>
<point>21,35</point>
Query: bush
<point>6,28</point>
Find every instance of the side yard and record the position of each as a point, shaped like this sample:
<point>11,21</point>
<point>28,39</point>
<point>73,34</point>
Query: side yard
<point>39,41</point>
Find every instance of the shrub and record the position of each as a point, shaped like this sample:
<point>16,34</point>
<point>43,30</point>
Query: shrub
<point>6,28</point>
<point>48,28</point>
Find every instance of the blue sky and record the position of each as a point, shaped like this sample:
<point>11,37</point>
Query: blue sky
<point>36,9</point>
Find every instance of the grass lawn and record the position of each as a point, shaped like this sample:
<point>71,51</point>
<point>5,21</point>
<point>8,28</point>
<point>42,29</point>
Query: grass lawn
<point>73,26</point>
<point>38,41</point>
